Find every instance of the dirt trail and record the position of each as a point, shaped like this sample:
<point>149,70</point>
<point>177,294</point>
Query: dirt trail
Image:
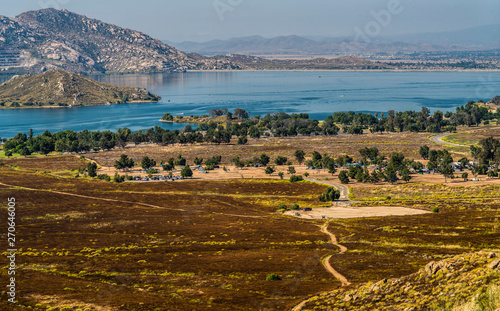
<point>93,198</point>
<point>326,263</point>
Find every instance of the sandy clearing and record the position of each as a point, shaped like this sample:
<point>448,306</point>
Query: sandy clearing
<point>356,212</point>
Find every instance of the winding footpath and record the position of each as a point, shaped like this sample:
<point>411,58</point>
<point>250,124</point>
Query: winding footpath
<point>326,263</point>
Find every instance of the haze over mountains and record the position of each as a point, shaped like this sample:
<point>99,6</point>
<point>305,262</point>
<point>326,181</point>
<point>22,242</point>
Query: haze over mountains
<point>39,40</point>
<point>477,38</point>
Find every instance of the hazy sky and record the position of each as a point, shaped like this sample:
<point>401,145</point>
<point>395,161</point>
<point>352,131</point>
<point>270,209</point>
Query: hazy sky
<point>200,20</point>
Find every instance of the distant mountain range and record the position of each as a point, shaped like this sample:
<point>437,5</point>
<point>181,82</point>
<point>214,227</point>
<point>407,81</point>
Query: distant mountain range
<point>478,38</point>
<point>39,40</point>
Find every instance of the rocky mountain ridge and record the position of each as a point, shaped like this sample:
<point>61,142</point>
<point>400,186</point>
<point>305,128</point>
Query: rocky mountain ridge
<point>51,38</point>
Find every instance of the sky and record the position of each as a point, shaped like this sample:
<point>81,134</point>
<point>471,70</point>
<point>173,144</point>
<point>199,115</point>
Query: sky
<point>203,20</point>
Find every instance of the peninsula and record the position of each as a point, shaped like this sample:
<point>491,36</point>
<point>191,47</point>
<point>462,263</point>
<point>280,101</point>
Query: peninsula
<point>58,88</point>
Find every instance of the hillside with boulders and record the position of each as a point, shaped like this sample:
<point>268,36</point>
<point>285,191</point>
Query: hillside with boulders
<point>464,282</point>
<point>58,88</point>
<point>39,40</point>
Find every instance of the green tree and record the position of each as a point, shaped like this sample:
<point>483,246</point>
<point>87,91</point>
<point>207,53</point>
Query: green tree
<point>291,170</point>
<point>424,152</point>
<point>343,177</point>
<point>331,167</point>
<point>47,145</point>
<point>465,176</point>
<point>475,152</point>
<point>167,117</point>
<point>280,160</point>
<point>242,140</point>
<point>92,169</point>
<point>187,172</point>
<point>300,155</point>
<point>447,171</point>
<point>8,153</point>
<point>296,178</point>
<point>118,179</point>
<point>147,163</point>
<point>264,159</point>
<point>180,161</point>
<point>25,152</point>
<point>124,163</point>
<point>281,174</point>
<point>405,174</point>
<point>198,161</point>
<point>237,162</point>
<point>270,170</point>
<point>331,194</point>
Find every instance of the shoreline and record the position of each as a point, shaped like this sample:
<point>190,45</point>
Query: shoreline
<point>76,106</point>
<point>342,70</point>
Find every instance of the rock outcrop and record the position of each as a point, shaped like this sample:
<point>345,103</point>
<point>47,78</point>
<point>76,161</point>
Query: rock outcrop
<point>443,285</point>
<point>56,88</point>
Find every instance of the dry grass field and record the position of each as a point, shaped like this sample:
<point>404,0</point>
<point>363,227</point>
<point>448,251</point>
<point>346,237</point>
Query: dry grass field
<point>210,244</point>
<point>406,143</point>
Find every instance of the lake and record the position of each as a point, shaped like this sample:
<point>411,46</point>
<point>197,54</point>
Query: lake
<point>316,93</point>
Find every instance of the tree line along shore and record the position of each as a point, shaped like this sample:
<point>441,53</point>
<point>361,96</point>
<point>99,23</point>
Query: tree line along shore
<point>242,126</point>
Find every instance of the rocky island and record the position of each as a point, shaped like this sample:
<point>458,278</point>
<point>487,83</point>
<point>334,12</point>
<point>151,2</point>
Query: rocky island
<point>58,88</point>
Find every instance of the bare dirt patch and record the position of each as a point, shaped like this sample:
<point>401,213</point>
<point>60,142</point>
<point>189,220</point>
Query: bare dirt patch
<point>355,212</point>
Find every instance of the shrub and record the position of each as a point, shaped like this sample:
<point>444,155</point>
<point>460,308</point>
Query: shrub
<point>281,160</point>
<point>295,178</point>
<point>187,172</point>
<point>343,177</point>
<point>435,210</point>
<point>270,170</point>
<point>331,194</point>
<point>273,277</point>
<point>242,140</point>
<point>118,178</point>
<point>295,207</point>
<point>105,177</point>
<point>283,207</point>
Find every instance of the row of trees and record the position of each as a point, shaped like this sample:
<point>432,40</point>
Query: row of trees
<point>411,121</point>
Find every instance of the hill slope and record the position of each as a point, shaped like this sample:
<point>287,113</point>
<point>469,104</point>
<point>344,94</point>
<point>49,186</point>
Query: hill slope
<point>450,284</point>
<point>59,88</point>
<point>58,38</point>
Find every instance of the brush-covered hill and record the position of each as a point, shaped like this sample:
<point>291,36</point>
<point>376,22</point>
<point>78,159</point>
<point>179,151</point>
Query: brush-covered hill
<point>56,88</point>
<point>464,282</point>
<point>50,38</point>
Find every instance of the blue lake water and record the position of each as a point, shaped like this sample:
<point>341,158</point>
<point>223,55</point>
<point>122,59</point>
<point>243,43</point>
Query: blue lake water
<point>316,93</point>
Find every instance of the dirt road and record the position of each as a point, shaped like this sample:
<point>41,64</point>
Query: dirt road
<point>438,139</point>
